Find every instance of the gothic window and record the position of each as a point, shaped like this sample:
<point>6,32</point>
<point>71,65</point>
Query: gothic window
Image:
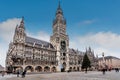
<point>63,58</point>
<point>57,39</point>
<point>64,54</point>
<point>42,52</point>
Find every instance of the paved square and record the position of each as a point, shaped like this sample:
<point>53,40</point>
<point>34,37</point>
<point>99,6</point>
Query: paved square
<point>68,76</point>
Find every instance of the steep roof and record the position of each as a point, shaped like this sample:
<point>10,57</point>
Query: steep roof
<point>73,51</point>
<point>33,41</point>
<point>109,57</point>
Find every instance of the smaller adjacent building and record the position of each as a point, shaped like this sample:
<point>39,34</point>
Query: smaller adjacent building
<point>111,62</point>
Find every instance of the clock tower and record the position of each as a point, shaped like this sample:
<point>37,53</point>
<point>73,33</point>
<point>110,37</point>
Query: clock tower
<point>60,40</point>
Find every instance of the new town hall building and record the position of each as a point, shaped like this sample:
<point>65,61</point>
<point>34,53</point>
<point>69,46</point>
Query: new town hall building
<point>40,56</point>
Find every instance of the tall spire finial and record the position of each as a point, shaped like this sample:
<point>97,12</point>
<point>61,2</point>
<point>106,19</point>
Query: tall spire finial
<point>59,10</point>
<point>59,4</point>
<point>22,21</point>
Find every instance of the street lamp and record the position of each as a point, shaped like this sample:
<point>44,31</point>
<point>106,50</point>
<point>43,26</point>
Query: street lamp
<point>104,65</point>
<point>103,58</point>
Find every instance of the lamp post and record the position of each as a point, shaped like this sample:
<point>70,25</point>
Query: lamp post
<point>104,65</point>
<point>103,58</point>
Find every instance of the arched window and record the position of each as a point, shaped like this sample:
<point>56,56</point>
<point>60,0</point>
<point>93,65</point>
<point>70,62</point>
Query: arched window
<point>64,54</point>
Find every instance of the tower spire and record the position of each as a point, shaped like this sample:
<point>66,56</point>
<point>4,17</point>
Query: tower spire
<point>59,19</point>
<point>22,23</point>
<point>59,4</point>
<point>59,10</point>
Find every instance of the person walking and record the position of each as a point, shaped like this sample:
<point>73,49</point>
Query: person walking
<point>18,72</point>
<point>103,70</point>
<point>117,69</point>
<point>24,73</point>
<point>3,73</point>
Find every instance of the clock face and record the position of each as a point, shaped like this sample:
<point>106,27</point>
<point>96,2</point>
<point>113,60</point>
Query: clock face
<point>63,45</point>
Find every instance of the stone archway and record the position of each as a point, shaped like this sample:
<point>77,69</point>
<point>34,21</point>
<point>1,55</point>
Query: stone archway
<point>53,69</point>
<point>29,68</point>
<point>38,69</point>
<point>64,54</point>
<point>46,69</point>
<point>64,67</point>
<point>17,68</point>
<point>74,68</point>
<point>70,68</point>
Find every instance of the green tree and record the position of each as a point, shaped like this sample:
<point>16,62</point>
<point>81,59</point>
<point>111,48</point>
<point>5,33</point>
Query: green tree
<point>86,63</point>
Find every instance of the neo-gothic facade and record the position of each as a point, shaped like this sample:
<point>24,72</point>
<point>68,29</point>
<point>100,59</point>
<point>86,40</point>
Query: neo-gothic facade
<point>40,56</point>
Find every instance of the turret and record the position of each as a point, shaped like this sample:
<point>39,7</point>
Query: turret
<point>19,35</point>
<point>59,23</point>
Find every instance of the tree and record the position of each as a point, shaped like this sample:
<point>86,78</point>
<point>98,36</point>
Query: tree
<point>86,63</point>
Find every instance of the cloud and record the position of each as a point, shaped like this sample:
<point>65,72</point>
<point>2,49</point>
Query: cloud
<point>2,54</point>
<point>6,34</point>
<point>87,22</point>
<point>7,29</point>
<point>106,42</point>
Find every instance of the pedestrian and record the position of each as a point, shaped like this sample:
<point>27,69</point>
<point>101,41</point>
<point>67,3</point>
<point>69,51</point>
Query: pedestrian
<point>3,73</point>
<point>18,73</point>
<point>24,73</point>
<point>117,69</point>
<point>103,70</point>
<point>68,71</point>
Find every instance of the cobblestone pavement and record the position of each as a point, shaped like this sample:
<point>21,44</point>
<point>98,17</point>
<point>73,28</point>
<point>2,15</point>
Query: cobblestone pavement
<point>71,76</point>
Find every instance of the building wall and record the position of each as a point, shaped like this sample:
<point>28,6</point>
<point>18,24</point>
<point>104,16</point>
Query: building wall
<point>37,57</point>
<point>111,62</point>
<point>115,63</point>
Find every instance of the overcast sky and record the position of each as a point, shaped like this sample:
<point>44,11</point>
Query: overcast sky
<point>94,23</point>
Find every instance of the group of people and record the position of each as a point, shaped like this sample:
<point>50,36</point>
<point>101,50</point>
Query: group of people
<point>104,70</point>
<point>117,69</point>
<point>3,73</point>
<point>21,73</point>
